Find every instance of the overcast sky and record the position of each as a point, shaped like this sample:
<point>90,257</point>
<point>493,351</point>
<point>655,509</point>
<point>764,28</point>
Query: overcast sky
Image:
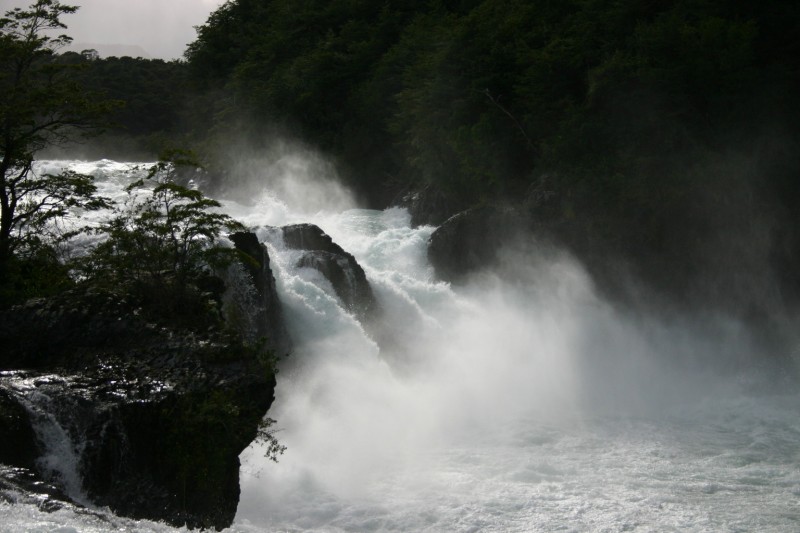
<point>162,28</point>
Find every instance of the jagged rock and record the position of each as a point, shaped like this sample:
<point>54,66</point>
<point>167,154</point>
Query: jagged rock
<point>347,279</point>
<point>268,320</point>
<point>41,332</point>
<point>156,415</point>
<point>339,267</point>
<point>469,241</point>
<point>310,237</point>
<point>19,441</point>
<point>22,485</point>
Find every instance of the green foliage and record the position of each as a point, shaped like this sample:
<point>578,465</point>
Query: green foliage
<point>39,273</point>
<point>481,97</point>
<point>40,106</point>
<point>172,233</point>
<point>627,110</point>
<point>153,111</point>
<point>266,437</point>
<point>164,245</point>
<point>41,200</point>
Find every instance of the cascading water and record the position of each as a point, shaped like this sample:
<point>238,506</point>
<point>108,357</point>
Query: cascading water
<point>522,405</point>
<point>511,406</point>
<point>52,417</point>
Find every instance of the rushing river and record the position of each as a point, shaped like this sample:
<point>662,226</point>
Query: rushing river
<point>523,405</point>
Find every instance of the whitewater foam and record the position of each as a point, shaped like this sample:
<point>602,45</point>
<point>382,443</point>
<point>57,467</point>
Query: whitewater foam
<point>524,405</point>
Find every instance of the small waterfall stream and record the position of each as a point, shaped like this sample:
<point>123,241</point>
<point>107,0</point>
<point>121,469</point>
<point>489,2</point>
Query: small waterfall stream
<point>56,422</point>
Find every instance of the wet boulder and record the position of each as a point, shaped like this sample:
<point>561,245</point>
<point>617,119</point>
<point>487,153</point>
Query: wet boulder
<point>427,205</point>
<point>337,266</point>
<point>347,279</point>
<point>150,417</point>
<point>19,447</point>
<point>23,485</point>
<point>471,240</point>
<point>311,238</point>
<point>267,319</point>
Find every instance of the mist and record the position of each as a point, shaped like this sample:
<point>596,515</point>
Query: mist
<point>523,350</point>
<point>302,180</point>
<point>520,399</point>
<point>628,361</point>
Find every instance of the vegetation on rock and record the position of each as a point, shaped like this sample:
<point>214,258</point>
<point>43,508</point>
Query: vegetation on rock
<point>163,247</point>
<point>41,106</point>
<point>133,336</point>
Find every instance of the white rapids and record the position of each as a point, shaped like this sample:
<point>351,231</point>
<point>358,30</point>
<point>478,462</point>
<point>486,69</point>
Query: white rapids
<point>524,405</point>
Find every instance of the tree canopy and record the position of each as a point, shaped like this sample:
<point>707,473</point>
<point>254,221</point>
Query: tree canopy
<point>41,105</point>
<point>654,125</point>
<point>155,111</point>
<point>481,97</point>
<point>651,128</point>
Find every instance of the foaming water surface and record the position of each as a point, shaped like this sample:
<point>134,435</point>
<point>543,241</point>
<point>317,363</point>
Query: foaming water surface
<point>523,405</point>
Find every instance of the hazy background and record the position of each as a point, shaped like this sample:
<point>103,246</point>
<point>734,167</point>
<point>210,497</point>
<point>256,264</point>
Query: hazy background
<point>159,28</point>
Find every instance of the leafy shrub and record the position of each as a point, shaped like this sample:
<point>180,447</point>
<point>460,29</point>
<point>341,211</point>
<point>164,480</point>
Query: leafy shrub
<point>164,246</point>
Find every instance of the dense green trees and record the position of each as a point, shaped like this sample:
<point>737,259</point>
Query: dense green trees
<point>481,97</point>
<point>40,105</point>
<point>154,91</point>
<point>655,126</point>
<point>154,111</point>
<point>652,128</point>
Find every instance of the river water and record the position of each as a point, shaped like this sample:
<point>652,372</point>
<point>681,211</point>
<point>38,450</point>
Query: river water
<point>521,401</point>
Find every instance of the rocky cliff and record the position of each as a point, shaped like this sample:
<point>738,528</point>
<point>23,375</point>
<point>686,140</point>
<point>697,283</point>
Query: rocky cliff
<point>471,240</point>
<point>112,406</point>
<point>340,268</point>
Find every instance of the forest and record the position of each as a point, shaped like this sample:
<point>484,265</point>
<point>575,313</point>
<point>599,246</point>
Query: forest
<point>602,231</point>
<point>650,132</point>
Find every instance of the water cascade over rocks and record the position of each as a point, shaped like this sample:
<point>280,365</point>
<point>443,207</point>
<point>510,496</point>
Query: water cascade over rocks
<point>133,417</point>
<point>515,400</point>
<point>340,268</point>
<point>265,318</point>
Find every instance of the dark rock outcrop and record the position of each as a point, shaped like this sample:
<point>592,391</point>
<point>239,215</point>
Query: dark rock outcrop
<point>309,237</point>
<point>268,319</point>
<point>19,446</point>
<point>68,330</point>
<point>427,205</point>
<point>339,267</point>
<point>156,416</point>
<point>470,241</point>
<point>23,485</point>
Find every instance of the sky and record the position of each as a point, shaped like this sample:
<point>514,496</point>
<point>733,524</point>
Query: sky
<point>161,28</point>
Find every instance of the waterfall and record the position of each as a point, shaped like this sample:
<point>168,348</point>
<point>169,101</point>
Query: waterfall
<point>56,421</point>
<point>484,385</point>
<point>519,401</point>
